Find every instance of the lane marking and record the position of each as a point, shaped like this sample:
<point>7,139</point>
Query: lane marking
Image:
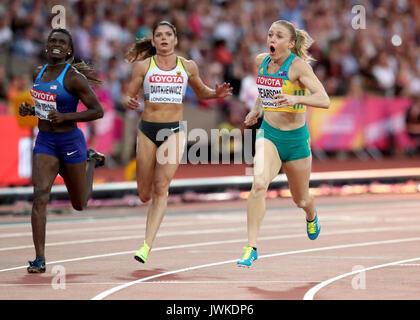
<point>326,218</point>
<point>108,228</point>
<point>175,233</point>
<point>210,231</point>
<point>166,282</point>
<point>210,243</point>
<point>309,295</point>
<point>205,213</point>
<point>108,292</point>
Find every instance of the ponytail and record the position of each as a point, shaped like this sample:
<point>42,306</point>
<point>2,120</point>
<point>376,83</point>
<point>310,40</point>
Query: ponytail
<point>87,70</point>
<point>142,49</point>
<point>302,39</point>
<point>302,43</point>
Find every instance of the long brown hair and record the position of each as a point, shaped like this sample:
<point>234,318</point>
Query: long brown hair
<point>302,39</point>
<point>87,70</point>
<point>143,48</point>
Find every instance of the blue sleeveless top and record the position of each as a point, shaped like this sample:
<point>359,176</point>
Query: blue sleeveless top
<point>52,95</point>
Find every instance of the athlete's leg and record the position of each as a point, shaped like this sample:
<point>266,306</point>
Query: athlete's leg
<point>168,157</point>
<point>44,171</point>
<point>78,178</point>
<point>267,165</point>
<point>145,166</point>
<point>298,173</point>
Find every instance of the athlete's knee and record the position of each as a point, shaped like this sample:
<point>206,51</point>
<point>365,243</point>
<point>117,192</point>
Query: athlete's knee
<point>160,188</point>
<point>259,187</point>
<point>303,203</point>
<point>145,196</point>
<point>79,206</point>
<point>41,197</point>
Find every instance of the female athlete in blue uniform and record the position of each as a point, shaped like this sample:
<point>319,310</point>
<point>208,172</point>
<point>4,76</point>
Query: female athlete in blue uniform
<point>164,77</point>
<point>60,146</point>
<point>286,86</point>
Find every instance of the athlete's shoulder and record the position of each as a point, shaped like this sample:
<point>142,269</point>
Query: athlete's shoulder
<point>299,63</point>
<point>74,74</point>
<point>143,64</point>
<point>35,71</point>
<point>259,58</point>
<point>187,63</point>
<point>299,67</point>
<point>190,66</point>
<point>141,67</point>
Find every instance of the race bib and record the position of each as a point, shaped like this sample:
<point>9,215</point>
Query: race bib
<point>44,103</point>
<point>166,88</point>
<point>268,87</point>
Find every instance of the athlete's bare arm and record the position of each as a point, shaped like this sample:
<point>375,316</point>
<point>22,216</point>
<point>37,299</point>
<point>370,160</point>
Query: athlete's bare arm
<point>77,84</point>
<point>201,90</point>
<point>131,101</point>
<point>252,117</point>
<point>302,72</point>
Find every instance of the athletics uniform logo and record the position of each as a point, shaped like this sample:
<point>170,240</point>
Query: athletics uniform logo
<point>166,88</point>
<point>45,102</point>
<point>268,87</point>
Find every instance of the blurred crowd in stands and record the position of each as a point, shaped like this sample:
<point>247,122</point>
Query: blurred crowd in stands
<point>222,36</point>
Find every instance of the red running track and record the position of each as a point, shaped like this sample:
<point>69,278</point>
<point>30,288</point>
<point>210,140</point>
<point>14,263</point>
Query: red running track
<point>367,249</point>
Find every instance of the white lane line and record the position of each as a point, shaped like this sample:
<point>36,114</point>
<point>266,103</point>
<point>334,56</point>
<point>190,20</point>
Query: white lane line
<point>169,234</point>
<point>210,243</point>
<point>106,293</point>
<point>327,208</point>
<point>326,218</point>
<point>309,295</point>
<point>236,217</point>
<point>208,231</point>
<point>207,282</point>
<point>136,227</point>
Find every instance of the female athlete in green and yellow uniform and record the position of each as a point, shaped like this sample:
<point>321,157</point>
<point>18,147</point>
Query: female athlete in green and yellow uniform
<point>286,86</point>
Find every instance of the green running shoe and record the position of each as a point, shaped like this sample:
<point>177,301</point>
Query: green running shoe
<point>142,254</point>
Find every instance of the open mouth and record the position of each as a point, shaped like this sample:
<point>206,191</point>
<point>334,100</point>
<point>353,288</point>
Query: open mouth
<point>272,49</point>
<point>57,51</point>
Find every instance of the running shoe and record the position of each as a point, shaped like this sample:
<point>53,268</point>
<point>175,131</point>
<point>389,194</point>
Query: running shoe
<point>36,266</point>
<point>313,228</point>
<point>142,254</point>
<point>99,157</point>
<point>250,254</point>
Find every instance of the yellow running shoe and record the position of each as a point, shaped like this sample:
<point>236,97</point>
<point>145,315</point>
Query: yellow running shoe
<point>142,254</point>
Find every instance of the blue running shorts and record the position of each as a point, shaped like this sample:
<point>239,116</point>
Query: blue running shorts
<point>68,147</point>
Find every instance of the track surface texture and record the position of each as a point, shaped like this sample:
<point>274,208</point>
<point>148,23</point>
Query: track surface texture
<point>367,250</point>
